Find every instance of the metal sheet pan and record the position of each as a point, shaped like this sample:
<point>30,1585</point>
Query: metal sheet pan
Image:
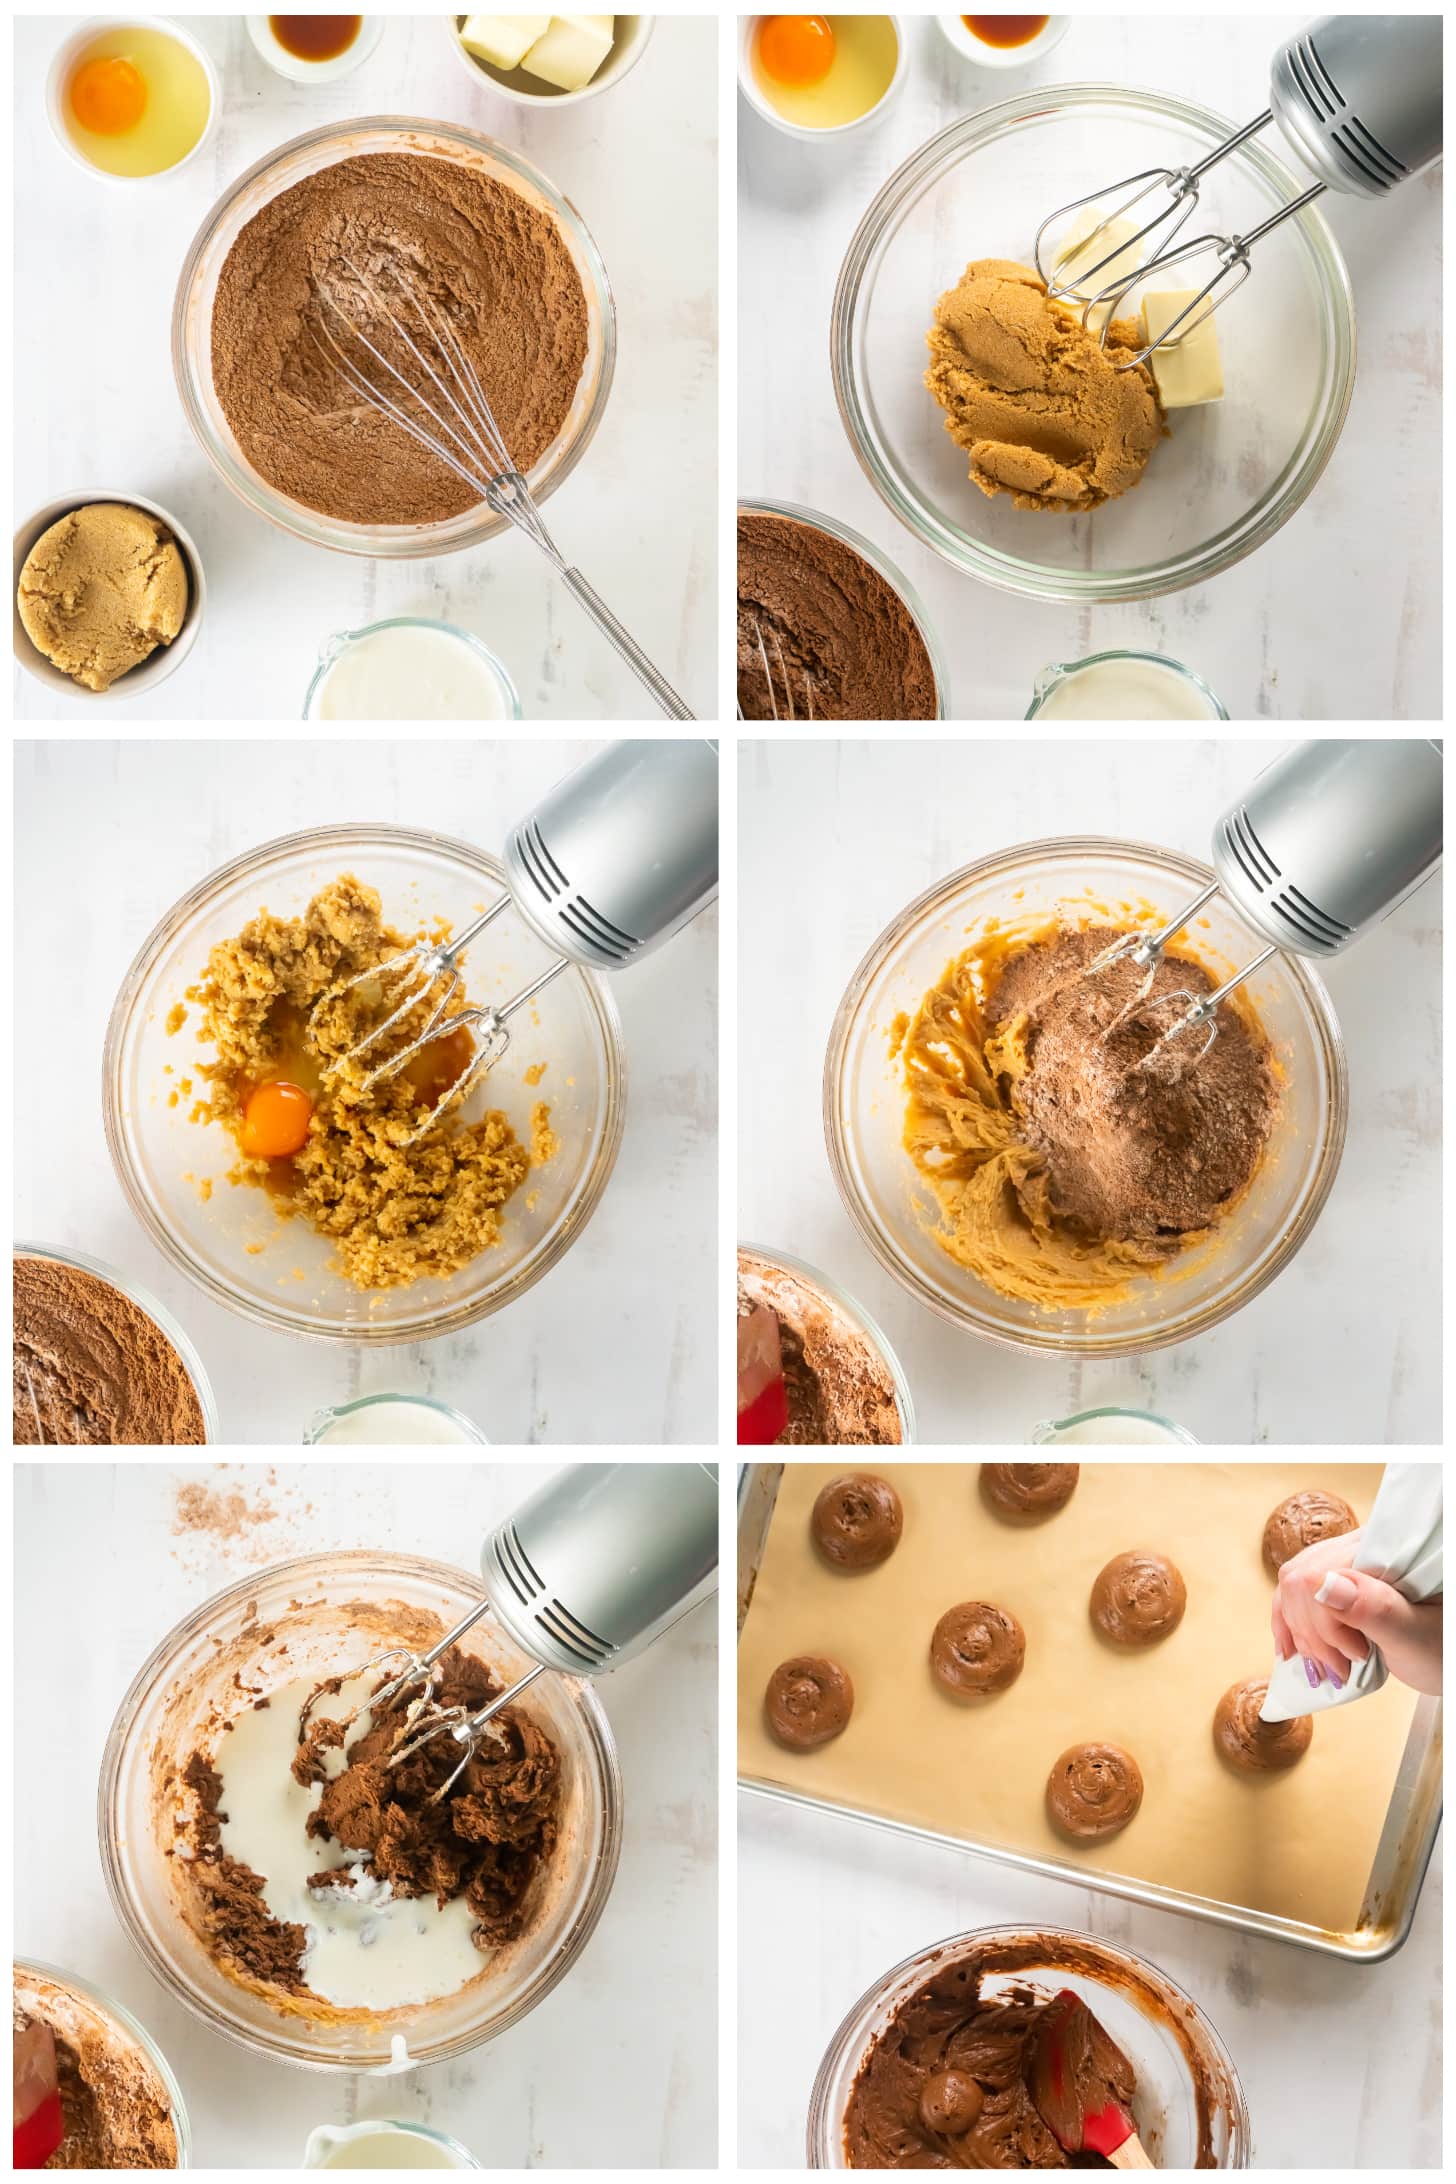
<point>1391,1893</point>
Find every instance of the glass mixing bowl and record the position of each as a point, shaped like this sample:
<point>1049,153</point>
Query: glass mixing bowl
<point>753,1259</point>
<point>864,1100</point>
<point>231,1240</point>
<point>171,1702</point>
<point>144,1301</point>
<point>1169,2042</point>
<point>305,155</point>
<point>103,2015</point>
<point>1232,471</point>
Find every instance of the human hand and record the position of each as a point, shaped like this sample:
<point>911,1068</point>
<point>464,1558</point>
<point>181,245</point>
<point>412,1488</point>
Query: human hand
<point>1326,1644</point>
<point>1332,1614</point>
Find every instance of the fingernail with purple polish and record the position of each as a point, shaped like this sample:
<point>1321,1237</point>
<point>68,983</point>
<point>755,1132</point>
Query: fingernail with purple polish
<point>1313,1675</point>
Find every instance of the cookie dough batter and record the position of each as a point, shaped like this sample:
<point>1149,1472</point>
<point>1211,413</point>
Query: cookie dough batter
<point>948,2082</point>
<point>115,2107</point>
<point>1040,407</point>
<point>1093,1791</point>
<point>857,1521</point>
<point>338,245</point>
<point>100,590</point>
<point>1028,1491</point>
<point>977,1648</point>
<point>91,1367</point>
<point>1256,1747</point>
<point>1062,1172</point>
<point>395,1212</point>
<point>840,642</point>
<point>1138,1598</point>
<point>1301,1520</point>
<point>809,1700</point>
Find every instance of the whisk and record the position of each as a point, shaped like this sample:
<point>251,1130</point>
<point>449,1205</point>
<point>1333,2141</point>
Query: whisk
<point>589,1570</point>
<point>1358,97</point>
<point>1328,840</point>
<point>785,678</point>
<point>459,429</point>
<point>614,860</point>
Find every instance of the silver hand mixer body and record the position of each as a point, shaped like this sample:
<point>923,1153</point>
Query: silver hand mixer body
<point>615,859</point>
<point>1329,840</point>
<point>1356,97</point>
<point>587,1573</point>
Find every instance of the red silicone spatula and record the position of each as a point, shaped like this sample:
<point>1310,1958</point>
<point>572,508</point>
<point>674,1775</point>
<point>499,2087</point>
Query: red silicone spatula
<point>1070,2071</point>
<point>763,1400</point>
<point>38,2127</point>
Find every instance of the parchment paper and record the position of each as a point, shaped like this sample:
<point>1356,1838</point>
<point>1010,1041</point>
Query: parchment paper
<point>1299,1845</point>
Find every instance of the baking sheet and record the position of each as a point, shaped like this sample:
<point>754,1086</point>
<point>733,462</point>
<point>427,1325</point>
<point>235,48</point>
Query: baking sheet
<point>1296,1853</point>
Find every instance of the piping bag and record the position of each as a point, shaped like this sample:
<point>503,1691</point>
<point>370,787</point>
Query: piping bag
<point>1400,1543</point>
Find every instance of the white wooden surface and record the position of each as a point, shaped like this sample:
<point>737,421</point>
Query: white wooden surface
<point>1337,617</point>
<point>1346,1345</point>
<point>617,2068</point>
<point>619,1341</point>
<point>93,381</point>
<point>1340,2064</point>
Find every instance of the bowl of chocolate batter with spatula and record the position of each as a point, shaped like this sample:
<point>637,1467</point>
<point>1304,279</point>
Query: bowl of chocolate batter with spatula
<point>322,228</point>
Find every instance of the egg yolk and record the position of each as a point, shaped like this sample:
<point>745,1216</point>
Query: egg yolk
<point>275,1120</point>
<point>108,97</point>
<point>796,50</point>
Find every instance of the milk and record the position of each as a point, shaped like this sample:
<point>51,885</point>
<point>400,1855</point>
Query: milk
<point>367,1948</point>
<point>410,671</point>
<point>1131,688</point>
<point>384,2146</point>
<point>390,1421</point>
<point>1107,1429</point>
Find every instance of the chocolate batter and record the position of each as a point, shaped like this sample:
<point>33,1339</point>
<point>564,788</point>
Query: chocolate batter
<point>1062,1170</point>
<point>1093,1791</point>
<point>1138,1598</point>
<point>92,1368</point>
<point>486,1840</point>
<point>840,1391</point>
<point>840,641</point>
<point>809,1700</point>
<point>1256,1747</point>
<point>494,266</point>
<point>948,2082</point>
<point>857,1521</point>
<point>1028,1491</point>
<point>977,1649</point>
<point>1300,1521</point>
<point>115,2109</point>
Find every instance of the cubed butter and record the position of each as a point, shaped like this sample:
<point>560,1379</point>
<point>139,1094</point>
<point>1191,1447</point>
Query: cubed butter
<point>503,40</point>
<point>1190,370</point>
<point>571,50</point>
<point>1077,254</point>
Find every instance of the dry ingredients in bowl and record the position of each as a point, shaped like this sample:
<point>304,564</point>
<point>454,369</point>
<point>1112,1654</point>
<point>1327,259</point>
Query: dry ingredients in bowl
<point>91,1368</point>
<point>342,249</point>
<point>1062,1172</point>
<point>116,2111</point>
<point>821,634</point>
<point>329,1148</point>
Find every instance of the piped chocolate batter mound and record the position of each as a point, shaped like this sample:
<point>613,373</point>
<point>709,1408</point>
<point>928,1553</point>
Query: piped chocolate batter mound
<point>346,245</point>
<point>948,2083</point>
<point>93,1369</point>
<point>840,642</point>
<point>486,1840</point>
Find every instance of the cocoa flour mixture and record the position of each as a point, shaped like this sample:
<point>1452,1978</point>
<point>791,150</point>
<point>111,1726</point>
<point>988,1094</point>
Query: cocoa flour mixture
<point>487,1840</point>
<point>338,245</point>
<point>1061,1171</point>
<point>92,1368</point>
<point>840,642</point>
<point>115,2108</point>
<point>840,1391</point>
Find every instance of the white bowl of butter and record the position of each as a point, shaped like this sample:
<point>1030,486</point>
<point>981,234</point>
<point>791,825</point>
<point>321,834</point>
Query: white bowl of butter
<point>568,45</point>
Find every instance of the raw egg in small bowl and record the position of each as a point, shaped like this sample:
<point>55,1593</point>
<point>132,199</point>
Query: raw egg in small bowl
<point>820,75</point>
<point>131,97</point>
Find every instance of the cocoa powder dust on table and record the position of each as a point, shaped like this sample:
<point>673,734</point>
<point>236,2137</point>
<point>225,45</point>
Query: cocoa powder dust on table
<point>335,247</point>
<point>1132,1154</point>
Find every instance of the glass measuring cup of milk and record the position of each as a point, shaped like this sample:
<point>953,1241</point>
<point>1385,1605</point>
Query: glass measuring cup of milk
<point>409,668</point>
<point>1123,686</point>
<point>389,1421</point>
<point>1108,1427</point>
<point>384,2146</point>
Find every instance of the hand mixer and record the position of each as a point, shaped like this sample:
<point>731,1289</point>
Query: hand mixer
<point>452,419</point>
<point>610,864</point>
<point>1358,98</point>
<point>1328,840</point>
<point>589,1570</point>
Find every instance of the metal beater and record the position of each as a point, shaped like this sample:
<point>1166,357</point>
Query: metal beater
<point>591,1568</point>
<point>612,862</point>
<point>454,421</point>
<point>1328,840</point>
<point>1358,99</point>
